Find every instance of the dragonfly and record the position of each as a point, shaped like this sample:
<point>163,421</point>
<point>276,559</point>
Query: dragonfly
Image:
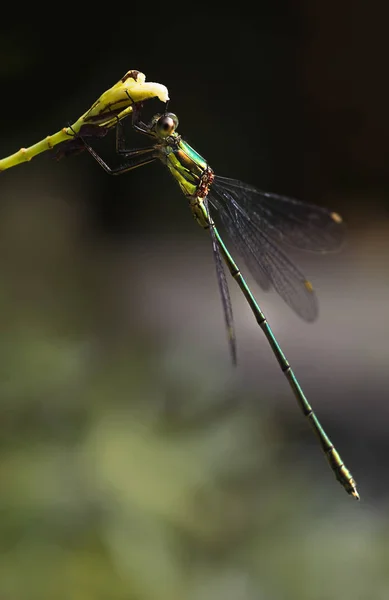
<point>112,106</point>
<point>257,222</point>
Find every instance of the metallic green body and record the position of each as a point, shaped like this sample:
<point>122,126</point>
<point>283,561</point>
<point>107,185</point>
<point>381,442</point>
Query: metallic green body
<point>185,164</point>
<point>191,171</point>
<point>195,179</point>
<point>341,472</point>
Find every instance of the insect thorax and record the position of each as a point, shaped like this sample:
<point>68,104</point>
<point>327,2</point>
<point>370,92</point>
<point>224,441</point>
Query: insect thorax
<point>186,166</point>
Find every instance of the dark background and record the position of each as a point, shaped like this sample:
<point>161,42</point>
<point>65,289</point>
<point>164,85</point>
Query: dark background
<point>134,462</point>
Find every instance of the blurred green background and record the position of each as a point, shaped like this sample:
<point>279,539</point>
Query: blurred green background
<point>135,463</point>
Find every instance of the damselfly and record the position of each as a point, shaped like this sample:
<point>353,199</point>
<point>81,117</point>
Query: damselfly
<point>112,106</point>
<point>257,222</point>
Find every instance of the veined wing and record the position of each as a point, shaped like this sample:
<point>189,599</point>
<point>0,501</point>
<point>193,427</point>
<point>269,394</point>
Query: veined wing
<point>223,288</point>
<point>233,228</point>
<point>263,257</point>
<point>283,219</point>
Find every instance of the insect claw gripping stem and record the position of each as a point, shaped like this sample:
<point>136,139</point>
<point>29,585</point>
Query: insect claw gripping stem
<point>101,114</point>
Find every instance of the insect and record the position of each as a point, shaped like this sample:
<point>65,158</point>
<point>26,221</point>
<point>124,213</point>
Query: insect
<point>257,222</point>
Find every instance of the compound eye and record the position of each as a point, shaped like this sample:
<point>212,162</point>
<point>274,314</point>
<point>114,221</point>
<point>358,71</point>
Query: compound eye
<point>167,124</point>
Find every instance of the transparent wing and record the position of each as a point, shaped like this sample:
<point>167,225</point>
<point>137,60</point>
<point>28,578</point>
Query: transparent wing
<point>224,291</point>
<point>265,260</point>
<point>283,219</point>
<point>235,232</point>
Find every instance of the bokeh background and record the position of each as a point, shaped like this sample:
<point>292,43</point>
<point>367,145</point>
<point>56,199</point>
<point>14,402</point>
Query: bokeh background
<point>135,462</point>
